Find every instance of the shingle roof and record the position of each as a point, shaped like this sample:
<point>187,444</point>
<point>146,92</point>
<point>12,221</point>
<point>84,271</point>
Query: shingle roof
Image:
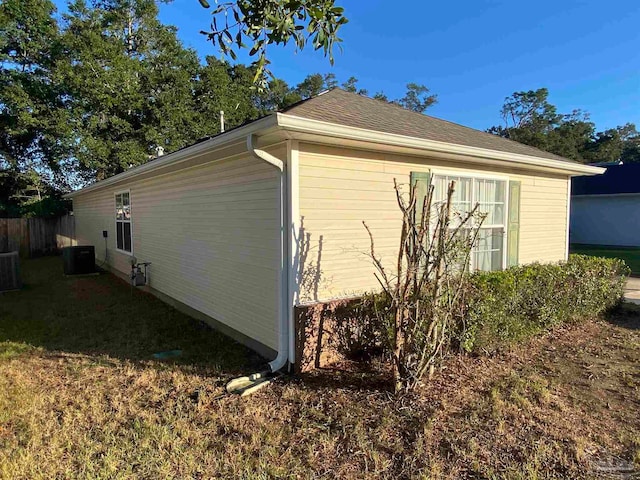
<point>617,179</point>
<point>350,109</point>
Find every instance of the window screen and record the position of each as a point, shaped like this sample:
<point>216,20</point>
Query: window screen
<point>490,194</point>
<point>123,222</point>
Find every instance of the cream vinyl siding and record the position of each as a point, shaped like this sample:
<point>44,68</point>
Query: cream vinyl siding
<point>212,235</point>
<point>339,188</point>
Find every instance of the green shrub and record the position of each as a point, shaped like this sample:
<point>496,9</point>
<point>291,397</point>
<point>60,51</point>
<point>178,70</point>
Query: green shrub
<point>358,326</point>
<point>507,306</point>
<point>498,308</point>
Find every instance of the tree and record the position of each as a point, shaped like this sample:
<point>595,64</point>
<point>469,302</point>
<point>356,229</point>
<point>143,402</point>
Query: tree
<point>279,95</point>
<point>616,144</point>
<point>630,143</point>
<point>26,194</point>
<point>34,129</point>
<point>315,84</point>
<point>169,116</point>
<point>529,118</point>
<point>571,136</point>
<point>95,94</point>
<point>13,189</point>
<point>530,108</point>
<point>104,72</point>
<point>33,117</point>
<point>417,98</point>
<point>266,22</point>
<point>228,88</point>
<point>131,85</point>
<point>351,85</point>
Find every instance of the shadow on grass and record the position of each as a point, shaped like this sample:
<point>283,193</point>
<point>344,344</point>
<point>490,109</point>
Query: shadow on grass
<point>626,315</point>
<point>102,315</point>
<point>351,377</point>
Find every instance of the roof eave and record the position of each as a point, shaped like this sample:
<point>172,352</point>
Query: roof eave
<point>321,129</point>
<point>217,142</point>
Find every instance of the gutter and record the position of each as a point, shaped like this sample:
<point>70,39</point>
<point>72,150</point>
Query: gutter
<point>298,127</point>
<point>188,153</point>
<point>465,153</point>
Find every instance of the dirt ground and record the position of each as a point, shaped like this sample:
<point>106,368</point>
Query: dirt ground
<point>81,396</point>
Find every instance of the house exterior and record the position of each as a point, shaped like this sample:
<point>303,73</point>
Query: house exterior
<point>245,226</point>
<point>605,209</point>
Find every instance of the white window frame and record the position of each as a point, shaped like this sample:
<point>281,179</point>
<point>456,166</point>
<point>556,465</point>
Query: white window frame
<point>484,176</point>
<point>130,222</point>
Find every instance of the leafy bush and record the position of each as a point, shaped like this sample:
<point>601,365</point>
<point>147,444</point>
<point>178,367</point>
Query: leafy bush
<point>507,306</point>
<point>358,328</point>
<point>499,308</point>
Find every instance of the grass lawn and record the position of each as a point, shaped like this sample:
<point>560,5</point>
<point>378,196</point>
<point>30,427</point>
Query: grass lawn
<point>631,256</point>
<point>82,397</point>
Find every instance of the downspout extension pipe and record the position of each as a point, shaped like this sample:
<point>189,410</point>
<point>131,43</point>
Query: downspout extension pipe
<point>282,358</point>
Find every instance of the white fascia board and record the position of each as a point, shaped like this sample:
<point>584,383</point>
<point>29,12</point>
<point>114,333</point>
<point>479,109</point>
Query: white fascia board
<point>233,136</point>
<point>321,129</point>
<point>471,154</point>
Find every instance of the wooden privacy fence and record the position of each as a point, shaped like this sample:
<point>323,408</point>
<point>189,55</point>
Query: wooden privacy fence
<point>33,237</point>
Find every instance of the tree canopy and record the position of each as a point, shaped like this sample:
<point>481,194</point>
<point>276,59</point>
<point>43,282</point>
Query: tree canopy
<point>93,92</point>
<point>33,115</point>
<point>530,118</point>
<point>90,93</point>
<point>266,22</point>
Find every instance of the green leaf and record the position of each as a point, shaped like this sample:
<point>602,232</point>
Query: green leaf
<point>254,50</point>
<point>280,22</point>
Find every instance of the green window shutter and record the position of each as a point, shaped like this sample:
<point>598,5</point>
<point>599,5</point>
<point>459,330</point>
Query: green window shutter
<point>422,180</point>
<point>513,224</point>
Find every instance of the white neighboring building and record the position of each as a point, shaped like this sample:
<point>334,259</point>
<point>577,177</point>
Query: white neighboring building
<point>605,209</point>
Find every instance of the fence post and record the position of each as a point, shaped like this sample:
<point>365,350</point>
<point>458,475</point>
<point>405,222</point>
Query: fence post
<point>25,239</point>
<point>4,235</point>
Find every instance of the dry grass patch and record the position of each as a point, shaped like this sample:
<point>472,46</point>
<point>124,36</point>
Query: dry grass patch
<point>81,397</point>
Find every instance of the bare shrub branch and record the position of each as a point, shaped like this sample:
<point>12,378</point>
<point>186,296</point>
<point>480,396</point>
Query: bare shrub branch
<point>426,287</point>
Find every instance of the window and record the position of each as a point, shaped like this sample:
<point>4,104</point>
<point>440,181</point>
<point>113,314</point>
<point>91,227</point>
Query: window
<point>489,250</point>
<point>123,222</point>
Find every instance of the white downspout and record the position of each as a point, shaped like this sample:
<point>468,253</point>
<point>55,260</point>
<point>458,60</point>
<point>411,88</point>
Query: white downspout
<point>567,240</point>
<point>293,212</point>
<point>283,337</point>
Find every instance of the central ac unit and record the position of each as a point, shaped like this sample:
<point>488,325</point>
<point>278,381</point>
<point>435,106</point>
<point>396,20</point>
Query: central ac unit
<point>10,271</point>
<point>79,260</point>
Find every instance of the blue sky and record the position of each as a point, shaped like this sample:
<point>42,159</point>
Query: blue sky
<point>473,54</point>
